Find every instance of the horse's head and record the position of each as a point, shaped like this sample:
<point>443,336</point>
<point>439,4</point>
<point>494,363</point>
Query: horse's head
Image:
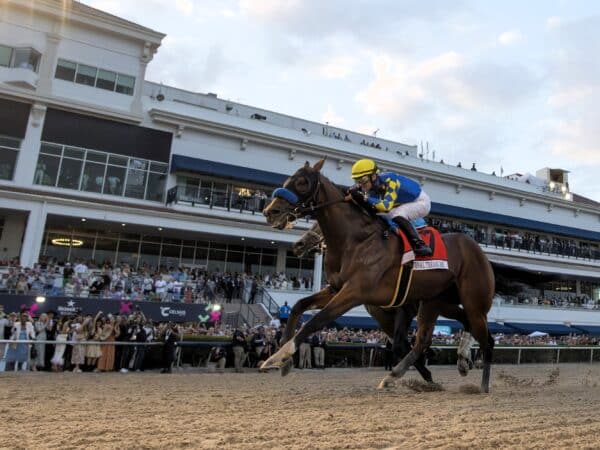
<point>310,243</point>
<point>298,191</point>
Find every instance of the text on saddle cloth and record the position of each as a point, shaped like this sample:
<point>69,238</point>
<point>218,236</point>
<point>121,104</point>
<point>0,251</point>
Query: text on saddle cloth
<point>432,237</point>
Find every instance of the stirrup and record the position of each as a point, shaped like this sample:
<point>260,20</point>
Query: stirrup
<point>420,249</point>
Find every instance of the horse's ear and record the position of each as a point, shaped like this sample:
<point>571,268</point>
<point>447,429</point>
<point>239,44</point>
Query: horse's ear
<point>306,165</point>
<point>318,166</point>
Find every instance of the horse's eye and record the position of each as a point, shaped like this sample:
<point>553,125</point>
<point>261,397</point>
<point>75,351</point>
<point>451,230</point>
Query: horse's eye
<point>302,185</point>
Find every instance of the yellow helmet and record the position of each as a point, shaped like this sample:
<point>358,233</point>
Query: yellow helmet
<point>363,167</point>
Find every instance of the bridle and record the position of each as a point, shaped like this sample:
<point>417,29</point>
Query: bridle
<point>304,204</point>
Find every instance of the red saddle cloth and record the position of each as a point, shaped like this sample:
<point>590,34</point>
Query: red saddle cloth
<point>433,238</point>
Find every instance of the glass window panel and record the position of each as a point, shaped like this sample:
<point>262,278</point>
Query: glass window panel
<point>201,256</point>
<point>268,264</point>
<point>138,164</point>
<point>5,55</point>
<point>128,252</point>
<point>130,236</point>
<point>46,170</point>
<point>189,243</point>
<point>252,263</point>
<point>86,75</point>
<point>96,156</point>
<point>106,80</point>
<point>136,183</point>
<point>171,241</point>
<point>117,160</point>
<point>269,251</point>
<point>170,255</point>
<point>106,250</point>
<point>235,248</point>
<point>54,250</point>
<point>149,255</point>
<point>151,238</point>
<point>187,256</point>
<point>159,167</point>
<point>125,84</point>
<point>218,245</point>
<point>65,70</point>
<point>115,176</point>
<point>70,173</point>
<point>204,244</point>
<point>6,141</point>
<point>93,177</point>
<point>51,149</point>
<point>72,152</point>
<point>85,250</point>
<point>8,161</point>
<point>235,262</point>
<point>26,58</point>
<point>156,187</point>
<point>216,260</point>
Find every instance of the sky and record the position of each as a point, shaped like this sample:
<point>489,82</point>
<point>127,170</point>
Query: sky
<point>503,84</point>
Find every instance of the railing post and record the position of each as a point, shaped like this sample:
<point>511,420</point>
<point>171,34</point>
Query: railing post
<point>557,355</point>
<point>592,355</point>
<point>519,356</point>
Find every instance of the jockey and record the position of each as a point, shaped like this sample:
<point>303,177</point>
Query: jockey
<point>395,197</point>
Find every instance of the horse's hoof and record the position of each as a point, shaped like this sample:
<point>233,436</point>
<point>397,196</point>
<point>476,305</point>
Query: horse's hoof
<point>287,367</point>
<point>385,383</point>
<point>267,366</point>
<point>463,366</point>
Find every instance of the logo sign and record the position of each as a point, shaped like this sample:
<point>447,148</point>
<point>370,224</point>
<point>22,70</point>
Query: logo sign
<point>167,311</point>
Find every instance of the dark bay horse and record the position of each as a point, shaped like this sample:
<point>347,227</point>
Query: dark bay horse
<point>362,269</point>
<point>394,322</point>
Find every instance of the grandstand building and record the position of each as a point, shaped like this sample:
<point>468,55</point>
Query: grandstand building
<point>97,163</point>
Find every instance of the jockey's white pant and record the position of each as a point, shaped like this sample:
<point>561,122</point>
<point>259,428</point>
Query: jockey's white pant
<point>413,210</point>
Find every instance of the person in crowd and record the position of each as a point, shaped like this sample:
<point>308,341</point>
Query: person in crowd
<point>51,332</point>
<point>58,361</point>
<point>79,331</point>
<point>284,313</point>
<point>239,346</point>
<point>106,362</point>
<point>93,352</point>
<point>318,348</point>
<point>40,327</point>
<point>257,344</point>
<point>141,338</point>
<point>169,338</point>
<point>393,196</point>
<point>18,354</point>
<point>304,361</point>
<point>5,332</point>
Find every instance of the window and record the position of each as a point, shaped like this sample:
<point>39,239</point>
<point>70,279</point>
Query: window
<point>5,55</point>
<point>65,70</point>
<point>26,58</point>
<point>9,151</point>
<point>21,58</point>
<point>125,84</point>
<point>106,80</point>
<point>86,75</point>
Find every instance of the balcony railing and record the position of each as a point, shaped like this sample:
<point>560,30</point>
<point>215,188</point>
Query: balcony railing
<point>218,198</point>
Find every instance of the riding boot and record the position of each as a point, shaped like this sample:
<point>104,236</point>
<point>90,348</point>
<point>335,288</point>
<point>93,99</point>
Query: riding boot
<point>419,246</point>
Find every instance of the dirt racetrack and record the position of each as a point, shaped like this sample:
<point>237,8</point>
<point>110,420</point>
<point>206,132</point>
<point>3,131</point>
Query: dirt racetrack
<point>529,407</point>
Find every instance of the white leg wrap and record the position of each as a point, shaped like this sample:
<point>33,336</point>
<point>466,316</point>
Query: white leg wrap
<point>464,348</point>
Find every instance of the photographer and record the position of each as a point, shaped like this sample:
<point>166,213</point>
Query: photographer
<point>239,345</point>
<point>216,359</point>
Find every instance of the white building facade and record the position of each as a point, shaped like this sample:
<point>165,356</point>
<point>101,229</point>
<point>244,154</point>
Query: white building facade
<point>98,164</point>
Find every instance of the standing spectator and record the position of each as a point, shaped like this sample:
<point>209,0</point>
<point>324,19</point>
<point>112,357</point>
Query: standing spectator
<point>41,335</point>
<point>106,362</point>
<point>51,332</point>
<point>239,345</point>
<point>284,313</point>
<point>58,360</point>
<point>140,349</point>
<point>258,342</point>
<point>305,354</point>
<point>94,352</point>
<point>5,332</point>
<point>19,353</point>
<point>78,334</point>
<point>160,287</point>
<point>318,346</point>
<point>170,338</point>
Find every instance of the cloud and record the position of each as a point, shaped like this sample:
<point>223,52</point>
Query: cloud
<point>510,37</point>
<point>185,6</point>
<point>337,67</point>
<point>553,22</point>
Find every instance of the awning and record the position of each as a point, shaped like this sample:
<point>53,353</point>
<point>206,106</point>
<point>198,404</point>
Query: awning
<point>180,163</point>
<point>559,271</point>
<point>589,329</point>
<point>495,327</point>
<point>550,328</point>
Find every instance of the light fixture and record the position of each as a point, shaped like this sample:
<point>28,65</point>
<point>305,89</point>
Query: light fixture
<point>272,242</point>
<point>159,228</point>
<point>551,185</point>
<point>122,224</point>
<point>67,242</point>
<point>40,299</point>
<point>83,219</point>
<point>243,239</point>
<point>216,308</point>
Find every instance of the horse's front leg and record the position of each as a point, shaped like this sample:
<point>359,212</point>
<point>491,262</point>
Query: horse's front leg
<point>342,302</point>
<point>318,300</point>
<point>425,323</point>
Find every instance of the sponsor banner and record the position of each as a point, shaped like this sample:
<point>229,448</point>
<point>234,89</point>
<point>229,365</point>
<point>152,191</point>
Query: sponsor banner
<point>67,306</point>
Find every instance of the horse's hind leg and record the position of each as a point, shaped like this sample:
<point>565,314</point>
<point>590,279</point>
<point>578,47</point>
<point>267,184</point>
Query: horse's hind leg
<point>425,322</point>
<point>486,342</point>
<point>463,361</point>
<point>401,346</point>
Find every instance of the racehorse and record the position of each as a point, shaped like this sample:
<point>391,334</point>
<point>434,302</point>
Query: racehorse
<point>395,323</point>
<point>362,269</point>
